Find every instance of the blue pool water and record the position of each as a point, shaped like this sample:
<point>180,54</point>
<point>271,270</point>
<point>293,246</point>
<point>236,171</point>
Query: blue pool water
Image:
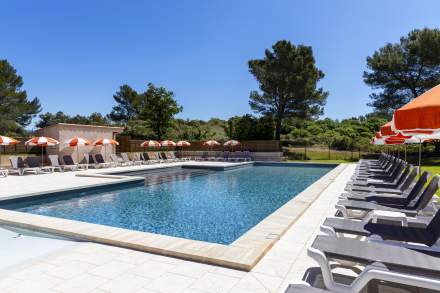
<point>216,207</point>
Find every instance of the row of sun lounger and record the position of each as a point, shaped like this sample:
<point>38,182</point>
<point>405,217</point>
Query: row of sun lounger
<point>34,165</point>
<point>226,156</point>
<point>386,231</point>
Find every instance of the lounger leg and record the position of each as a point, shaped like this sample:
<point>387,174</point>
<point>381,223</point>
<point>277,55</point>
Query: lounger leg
<point>382,273</point>
<point>327,275</point>
<point>328,230</point>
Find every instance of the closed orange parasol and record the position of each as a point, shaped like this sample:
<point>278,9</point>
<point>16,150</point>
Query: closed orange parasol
<point>421,115</point>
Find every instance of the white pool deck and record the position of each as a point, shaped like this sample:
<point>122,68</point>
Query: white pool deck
<point>65,266</point>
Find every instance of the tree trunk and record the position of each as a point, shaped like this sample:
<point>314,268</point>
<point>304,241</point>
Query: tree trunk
<point>305,151</point>
<point>278,128</point>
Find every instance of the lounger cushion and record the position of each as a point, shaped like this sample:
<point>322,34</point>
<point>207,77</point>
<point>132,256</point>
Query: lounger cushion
<point>417,234</point>
<point>369,252</point>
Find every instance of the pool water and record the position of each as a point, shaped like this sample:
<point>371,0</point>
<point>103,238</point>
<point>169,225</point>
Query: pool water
<point>216,207</point>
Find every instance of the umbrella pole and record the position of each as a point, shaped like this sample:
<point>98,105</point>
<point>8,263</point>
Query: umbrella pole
<point>420,156</point>
<point>405,152</point>
<point>42,157</point>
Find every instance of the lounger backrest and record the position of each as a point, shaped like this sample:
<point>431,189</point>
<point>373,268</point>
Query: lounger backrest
<point>67,159</point>
<point>417,189</point>
<point>402,176</point>
<point>14,161</point>
<point>99,158</point>
<point>20,163</point>
<point>151,156</point>
<point>114,158</point>
<point>33,162</point>
<point>91,159</point>
<point>125,157</point>
<point>434,228</point>
<point>164,156</point>
<point>427,194</point>
<point>409,179</point>
<point>145,156</point>
<point>399,169</point>
<point>54,160</point>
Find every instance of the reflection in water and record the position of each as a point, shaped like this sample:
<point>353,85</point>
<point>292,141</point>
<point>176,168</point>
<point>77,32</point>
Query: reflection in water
<point>209,206</point>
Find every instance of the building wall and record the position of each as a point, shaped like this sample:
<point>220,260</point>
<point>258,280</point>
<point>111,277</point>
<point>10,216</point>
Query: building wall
<point>63,132</point>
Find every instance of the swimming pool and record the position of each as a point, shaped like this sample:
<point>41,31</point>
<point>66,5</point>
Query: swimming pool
<point>216,207</point>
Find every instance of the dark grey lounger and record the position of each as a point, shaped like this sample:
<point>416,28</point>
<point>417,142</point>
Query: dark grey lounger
<point>392,199</point>
<point>417,204</point>
<point>408,177</point>
<point>416,232</point>
<point>382,262</point>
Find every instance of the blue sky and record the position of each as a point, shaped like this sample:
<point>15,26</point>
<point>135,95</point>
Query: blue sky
<point>74,55</point>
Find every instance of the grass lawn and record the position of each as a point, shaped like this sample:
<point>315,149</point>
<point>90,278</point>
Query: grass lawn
<point>432,169</point>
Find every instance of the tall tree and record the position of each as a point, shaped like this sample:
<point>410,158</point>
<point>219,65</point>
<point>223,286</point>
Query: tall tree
<point>158,107</point>
<point>400,72</point>
<point>288,80</point>
<point>16,111</point>
<point>126,108</point>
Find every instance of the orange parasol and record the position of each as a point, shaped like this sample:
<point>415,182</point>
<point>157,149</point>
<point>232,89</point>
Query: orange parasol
<point>421,115</point>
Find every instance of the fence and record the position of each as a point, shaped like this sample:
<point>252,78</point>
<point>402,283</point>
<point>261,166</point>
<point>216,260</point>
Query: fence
<point>320,153</point>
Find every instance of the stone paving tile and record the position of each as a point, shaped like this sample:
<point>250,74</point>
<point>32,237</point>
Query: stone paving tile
<point>81,283</point>
<point>152,269</point>
<point>170,283</point>
<point>217,283</point>
<point>70,269</point>
<point>249,282</point>
<point>112,269</point>
<point>125,283</point>
<point>272,268</point>
<point>191,269</point>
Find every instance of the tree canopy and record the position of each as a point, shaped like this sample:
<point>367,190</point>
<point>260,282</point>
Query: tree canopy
<point>158,107</point>
<point>248,127</point>
<point>47,119</point>
<point>16,110</point>
<point>287,78</point>
<point>148,113</point>
<point>344,135</point>
<point>400,72</point>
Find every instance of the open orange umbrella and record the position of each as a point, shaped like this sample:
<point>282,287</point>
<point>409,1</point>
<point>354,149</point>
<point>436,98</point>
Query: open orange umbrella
<point>4,140</point>
<point>105,142</point>
<point>421,115</point>
<point>42,142</point>
<point>77,142</point>
<point>386,131</point>
<point>183,143</point>
<point>150,144</point>
<point>167,143</point>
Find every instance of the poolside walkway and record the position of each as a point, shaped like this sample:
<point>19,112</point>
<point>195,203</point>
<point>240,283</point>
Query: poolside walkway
<point>90,267</point>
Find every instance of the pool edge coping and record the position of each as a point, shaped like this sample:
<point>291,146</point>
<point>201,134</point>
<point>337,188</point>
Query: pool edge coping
<point>243,254</point>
